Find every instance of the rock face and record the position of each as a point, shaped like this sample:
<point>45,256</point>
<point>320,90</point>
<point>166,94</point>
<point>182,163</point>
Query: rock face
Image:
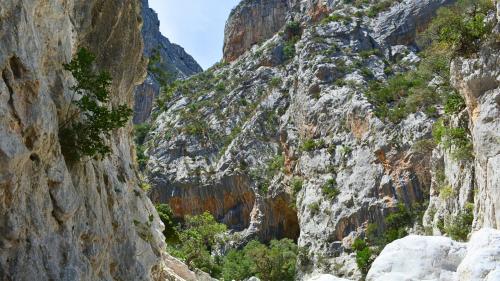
<point>439,258</point>
<point>476,180</point>
<point>251,22</point>
<point>60,221</point>
<point>173,60</point>
<point>478,81</point>
<point>287,145</point>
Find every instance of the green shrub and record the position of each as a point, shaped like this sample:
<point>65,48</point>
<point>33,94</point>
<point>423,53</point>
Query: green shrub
<point>140,132</point>
<point>297,184</point>
<point>86,127</point>
<point>310,144</point>
<point>142,158</point>
<point>274,262</point>
<point>336,18</point>
<point>275,82</point>
<point>289,50</point>
<point>292,29</point>
<point>314,208</point>
<point>454,103</point>
<point>378,7</point>
<point>157,68</point>
<point>446,192</point>
<point>368,53</point>
<point>197,237</point>
<point>166,216</point>
<point>457,30</point>
<point>460,226</point>
<point>364,259</point>
<point>461,27</point>
<point>359,244</point>
<point>277,163</point>
<point>366,72</point>
<point>456,139</point>
<point>330,189</point>
<point>237,266</point>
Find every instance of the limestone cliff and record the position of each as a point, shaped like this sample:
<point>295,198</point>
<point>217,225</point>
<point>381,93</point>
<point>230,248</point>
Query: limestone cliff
<point>172,59</point>
<point>61,221</point>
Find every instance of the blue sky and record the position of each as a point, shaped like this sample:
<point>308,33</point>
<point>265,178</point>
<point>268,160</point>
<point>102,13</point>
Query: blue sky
<point>196,25</point>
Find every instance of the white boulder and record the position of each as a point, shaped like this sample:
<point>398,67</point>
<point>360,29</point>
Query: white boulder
<point>434,258</point>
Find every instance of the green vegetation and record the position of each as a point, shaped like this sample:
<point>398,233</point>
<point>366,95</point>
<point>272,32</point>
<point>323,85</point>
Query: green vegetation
<point>277,163</point>
<point>297,184</point>
<point>274,262</point>
<point>456,31</point>
<point>460,225</point>
<point>195,240</point>
<point>289,50</point>
<point>368,53</point>
<point>460,28</point>
<point>293,32</point>
<point>311,145</point>
<point>197,237</point>
<point>314,208</point>
<point>336,18</point>
<point>456,139</point>
<point>140,133</point>
<point>378,7</point>
<point>396,224</point>
<point>275,82</point>
<point>156,67</point>
<point>364,255</point>
<point>454,103</point>
<point>330,189</point>
<point>293,29</point>
<point>89,121</point>
<point>446,192</point>
<point>166,216</point>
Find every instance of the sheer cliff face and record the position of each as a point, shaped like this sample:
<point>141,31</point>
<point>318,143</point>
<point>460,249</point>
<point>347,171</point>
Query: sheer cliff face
<point>478,80</point>
<point>173,60</point>
<point>252,22</point>
<point>87,221</point>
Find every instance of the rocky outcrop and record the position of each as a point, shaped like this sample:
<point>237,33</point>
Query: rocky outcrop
<point>400,24</point>
<point>439,258</point>
<point>477,79</point>
<point>174,61</point>
<point>252,22</point>
<point>61,221</point>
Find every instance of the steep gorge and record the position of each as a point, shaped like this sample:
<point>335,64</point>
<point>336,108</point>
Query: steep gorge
<point>285,128</point>
<point>282,139</point>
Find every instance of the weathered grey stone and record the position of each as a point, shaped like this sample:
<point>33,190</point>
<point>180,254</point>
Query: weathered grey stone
<point>62,221</point>
<point>439,258</point>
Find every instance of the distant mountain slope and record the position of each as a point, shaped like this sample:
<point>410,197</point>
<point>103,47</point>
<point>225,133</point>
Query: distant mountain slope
<point>173,60</point>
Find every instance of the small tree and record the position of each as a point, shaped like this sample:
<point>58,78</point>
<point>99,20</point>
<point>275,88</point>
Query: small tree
<point>89,119</point>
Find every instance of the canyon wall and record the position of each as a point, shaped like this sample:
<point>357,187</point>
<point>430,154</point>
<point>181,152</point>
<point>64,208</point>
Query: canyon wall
<point>70,221</point>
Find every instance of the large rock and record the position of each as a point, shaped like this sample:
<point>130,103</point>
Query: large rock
<point>326,277</point>
<point>251,22</point>
<point>61,221</point>
<point>418,258</point>
<point>439,258</point>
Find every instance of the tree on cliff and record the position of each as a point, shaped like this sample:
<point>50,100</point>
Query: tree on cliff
<point>89,118</point>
